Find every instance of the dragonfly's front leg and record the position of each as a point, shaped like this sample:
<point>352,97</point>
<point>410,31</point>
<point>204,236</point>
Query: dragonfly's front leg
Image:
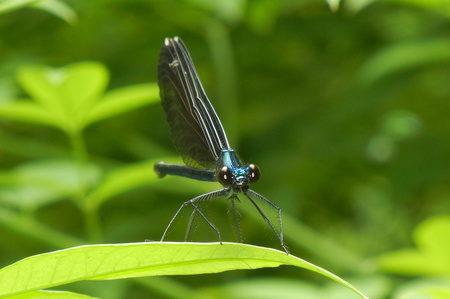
<point>194,203</point>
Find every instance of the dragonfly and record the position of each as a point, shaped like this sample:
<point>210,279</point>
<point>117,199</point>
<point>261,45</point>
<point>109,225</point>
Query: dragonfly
<point>200,139</point>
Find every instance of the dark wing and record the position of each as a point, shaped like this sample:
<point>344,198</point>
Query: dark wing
<point>196,130</point>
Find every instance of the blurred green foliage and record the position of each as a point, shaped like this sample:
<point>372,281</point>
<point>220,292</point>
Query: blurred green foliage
<point>344,110</point>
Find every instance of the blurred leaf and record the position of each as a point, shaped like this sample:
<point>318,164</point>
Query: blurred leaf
<point>357,5</point>
<point>439,293</point>
<point>68,93</point>
<point>106,262</point>
<point>424,288</point>
<point>28,112</point>
<point>405,56</point>
<point>121,180</point>
<point>59,9</point>
<point>50,295</point>
<point>11,5</point>
<point>438,6</point>
<point>316,243</point>
<point>229,11</point>
<point>401,124</point>
<point>72,97</point>
<point>266,288</point>
<point>334,4</point>
<point>55,7</point>
<point>41,82</point>
<point>82,87</point>
<point>123,100</point>
<point>134,176</point>
<point>262,14</point>
<point>288,288</point>
<point>36,230</point>
<point>40,182</point>
<point>431,256</point>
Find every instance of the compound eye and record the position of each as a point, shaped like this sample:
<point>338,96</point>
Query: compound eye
<point>254,173</point>
<point>224,176</point>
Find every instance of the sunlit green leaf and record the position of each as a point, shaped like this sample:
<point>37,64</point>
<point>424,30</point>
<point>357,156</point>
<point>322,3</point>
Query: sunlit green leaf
<point>105,262</point>
<point>50,295</point>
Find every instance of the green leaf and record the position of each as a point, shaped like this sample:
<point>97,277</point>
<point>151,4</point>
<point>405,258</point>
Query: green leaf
<point>54,7</point>
<point>32,228</point>
<point>121,180</point>
<point>71,97</point>
<point>40,182</point>
<point>134,176</point>
<point>50,295</point>
<point>68,93</point>
<point>11,5</point>
<point>405,56</point>
<point>262,14</point>
<point>41,83</point>
<point>431,257</point>
<point>229,11</point>
<point>83,86</point>
<point>106,262</point>
<point>438,6</point>
<point>334,4</point>
<point>59,9</point>
<point>122,100</point>
<point>290,288</point>
<point>424,288</point>
<point>28,112</point>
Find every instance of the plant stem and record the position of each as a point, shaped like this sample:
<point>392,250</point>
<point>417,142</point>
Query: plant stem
<point>78,146</point>
<point>219,41</point>
<point>93,227</point>
<point>92,222</point>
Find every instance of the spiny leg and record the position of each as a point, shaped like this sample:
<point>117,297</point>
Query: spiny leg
<point>280,234</point>
<point>207,196</point>
<point>190,224</point>
<point>236,217</point>
<point>191,221</point>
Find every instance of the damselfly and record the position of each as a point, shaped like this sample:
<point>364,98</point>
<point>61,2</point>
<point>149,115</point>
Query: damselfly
<point>200,139</point>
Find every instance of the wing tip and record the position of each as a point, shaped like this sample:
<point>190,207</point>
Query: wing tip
<point>168,40</point>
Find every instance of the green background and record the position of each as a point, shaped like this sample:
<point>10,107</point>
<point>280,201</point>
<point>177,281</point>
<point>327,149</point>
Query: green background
<point>345,112</point>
